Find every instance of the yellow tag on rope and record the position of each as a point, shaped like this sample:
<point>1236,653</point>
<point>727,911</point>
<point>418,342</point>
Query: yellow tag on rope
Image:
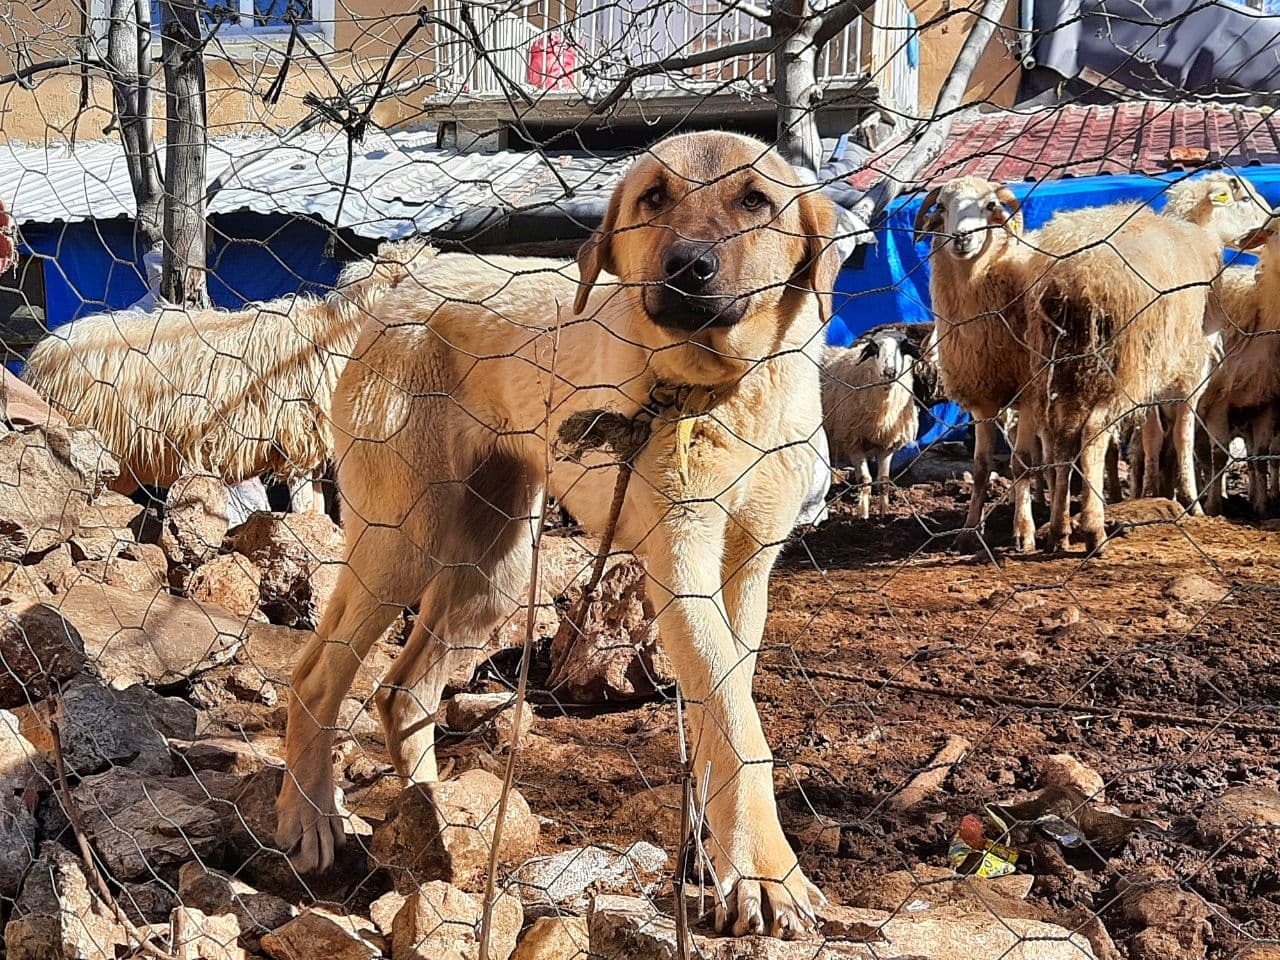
<point>684,437</point>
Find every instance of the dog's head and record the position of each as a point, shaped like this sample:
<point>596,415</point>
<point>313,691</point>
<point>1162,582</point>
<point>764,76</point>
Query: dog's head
<point>966,214</point>
<point>719,240</point>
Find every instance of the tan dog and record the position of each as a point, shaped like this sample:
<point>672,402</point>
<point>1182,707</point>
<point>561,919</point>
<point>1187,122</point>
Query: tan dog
<point>443,410</point>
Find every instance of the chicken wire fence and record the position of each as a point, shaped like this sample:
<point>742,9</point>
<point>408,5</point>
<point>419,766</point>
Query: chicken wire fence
<point>387,554</point>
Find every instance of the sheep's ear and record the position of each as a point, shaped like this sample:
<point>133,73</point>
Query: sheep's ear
<point>871,350</point>
<point>1014,217</point>
<point>821,262</point>
<point>928,220</point>
<point>909,349</point>
<point>596,255</point>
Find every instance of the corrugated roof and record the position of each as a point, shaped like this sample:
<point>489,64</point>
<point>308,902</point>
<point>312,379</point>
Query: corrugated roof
<point>1148,137</point>
<point>398,184</point>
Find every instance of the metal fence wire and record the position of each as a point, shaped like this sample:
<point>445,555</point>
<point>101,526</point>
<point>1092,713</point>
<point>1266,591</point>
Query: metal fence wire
<point>626,480</point>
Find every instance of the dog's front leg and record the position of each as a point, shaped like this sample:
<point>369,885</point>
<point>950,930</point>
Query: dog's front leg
<point>764,887</point>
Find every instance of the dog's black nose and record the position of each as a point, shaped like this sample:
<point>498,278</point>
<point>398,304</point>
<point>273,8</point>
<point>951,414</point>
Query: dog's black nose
<point>690,267</point>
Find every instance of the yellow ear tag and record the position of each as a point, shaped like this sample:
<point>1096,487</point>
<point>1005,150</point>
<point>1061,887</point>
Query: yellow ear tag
<point>684,437</point>
<point>1221,198</point>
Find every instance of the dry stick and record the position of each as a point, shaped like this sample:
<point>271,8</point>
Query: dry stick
<point>686,824</point>
<point>522,687</point>
<point>932,777</point>
<point>1030,703</point>
<point>86,851</point>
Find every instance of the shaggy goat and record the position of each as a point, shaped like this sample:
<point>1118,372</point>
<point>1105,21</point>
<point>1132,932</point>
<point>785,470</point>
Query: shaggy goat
<point>870,396</point>
<point>233,393</point>
<point>1120,313</point>
<point>976,287</point>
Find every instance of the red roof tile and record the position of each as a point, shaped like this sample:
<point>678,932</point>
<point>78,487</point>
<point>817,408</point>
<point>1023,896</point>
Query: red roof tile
<point>1145,137</point>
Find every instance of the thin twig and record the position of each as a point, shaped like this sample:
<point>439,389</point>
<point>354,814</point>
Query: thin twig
<point>686,841</point>
<point>522,686</point>
<point>86,851</point>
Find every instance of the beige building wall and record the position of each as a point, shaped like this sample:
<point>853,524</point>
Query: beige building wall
<point>995,80</point>
<point>363,35</point>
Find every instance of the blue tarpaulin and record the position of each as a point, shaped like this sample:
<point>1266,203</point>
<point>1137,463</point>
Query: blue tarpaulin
<point>892,283</point>
<point>94,266</point>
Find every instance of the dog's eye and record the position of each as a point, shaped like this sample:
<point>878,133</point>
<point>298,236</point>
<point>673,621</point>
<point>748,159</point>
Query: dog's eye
<point>754,200</point>
<point>654,197</point>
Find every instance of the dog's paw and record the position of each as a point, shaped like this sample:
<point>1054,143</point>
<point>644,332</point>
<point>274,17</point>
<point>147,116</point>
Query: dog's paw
<point>309,830</point>
<point>785,908</point>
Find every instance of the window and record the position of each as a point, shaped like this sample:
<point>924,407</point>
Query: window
<point>22,307</point>
<point>241,22</point>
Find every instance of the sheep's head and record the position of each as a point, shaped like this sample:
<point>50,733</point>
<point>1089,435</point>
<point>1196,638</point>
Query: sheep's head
<point>1267,235</point>
<point>1226,204</point>
<point>966,215</point>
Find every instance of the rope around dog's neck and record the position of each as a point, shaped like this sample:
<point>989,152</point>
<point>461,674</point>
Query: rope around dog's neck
<point>625,436</point>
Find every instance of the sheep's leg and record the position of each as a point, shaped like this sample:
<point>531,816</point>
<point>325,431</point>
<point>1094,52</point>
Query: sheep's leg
<point>864,487</point>
<point>1023,463</point>
<point>1152,445</point>
<point>1137,463</point>
<point>1043,479</point>
<point>1184,447</point>
<point>1113,491</point>
<point>883,465</point>
<point>1093,462</point>
<point>985,433</point>
<point>1063,457</point>
<point>1261,434</point>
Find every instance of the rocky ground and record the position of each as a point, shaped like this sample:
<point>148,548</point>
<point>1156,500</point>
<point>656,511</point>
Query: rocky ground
<point>1123,706</point>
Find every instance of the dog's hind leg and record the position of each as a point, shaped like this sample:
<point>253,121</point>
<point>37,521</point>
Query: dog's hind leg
<point>379,579</point>
<point>487,566</point>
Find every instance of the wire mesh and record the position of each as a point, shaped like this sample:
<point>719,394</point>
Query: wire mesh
<point>462,502</point>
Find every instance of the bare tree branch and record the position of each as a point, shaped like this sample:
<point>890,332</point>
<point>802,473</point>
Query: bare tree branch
<point>21,77</point>
<point>763,14</point>
<point>933,134</point>
<point>744,48</point>
<point>836,18</point>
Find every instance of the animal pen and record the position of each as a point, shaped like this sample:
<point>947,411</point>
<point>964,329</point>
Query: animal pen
<point>567,481</point>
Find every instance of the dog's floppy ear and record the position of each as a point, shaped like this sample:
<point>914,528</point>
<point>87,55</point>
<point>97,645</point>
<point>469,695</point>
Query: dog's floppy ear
<point>596,255</point>
<point>821,259</point>
<point>1256,238</point>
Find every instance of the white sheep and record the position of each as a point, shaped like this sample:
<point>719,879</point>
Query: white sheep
<point>1244,388</point>
<point>978,254</point>
<point>870,406</point>
<point>234,393</point>
<point>1119,316</point>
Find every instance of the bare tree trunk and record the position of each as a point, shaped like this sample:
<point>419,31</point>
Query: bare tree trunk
<point>186,135</point>
<point>795,86</point>
<point>128,63</point>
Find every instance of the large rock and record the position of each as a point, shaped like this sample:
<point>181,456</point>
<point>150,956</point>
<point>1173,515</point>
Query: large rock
<point>631,927</point>
<point>195,520</point>
<point>299,555</point>
<point>491,715</point>
<point>1170,921</point>
<point>235,755</point>
<point>145,827</point>
<point>566,879</point>
<point>39,648</point>
<point>554,938</point>
<point>216,893</point>
<point>1245,819</point>
<point>231,581</point>
<point>444,831</point>
<point>613,654</point>
<point>149,637</point>
<point>57,916</point>
<point>196,935</point>
<point>322,936</point>
<point>20,768</point>
<point>48,476</point>
<point>101,728</point>
<point>440,922</point>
